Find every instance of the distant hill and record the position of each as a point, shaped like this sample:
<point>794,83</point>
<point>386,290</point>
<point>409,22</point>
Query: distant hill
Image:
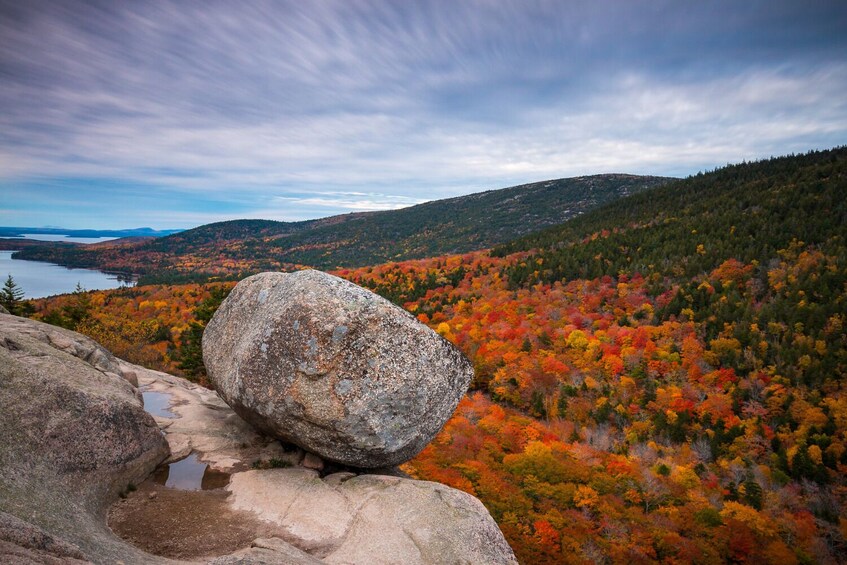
<point>687,228</point>
<point>235,248</point>
<point>120,242</point>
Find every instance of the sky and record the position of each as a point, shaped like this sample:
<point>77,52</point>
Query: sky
<point>175,114</point>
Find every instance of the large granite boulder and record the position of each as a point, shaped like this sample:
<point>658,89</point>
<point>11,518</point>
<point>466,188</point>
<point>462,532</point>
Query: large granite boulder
<point>325,364</point>
<point>75,435</point>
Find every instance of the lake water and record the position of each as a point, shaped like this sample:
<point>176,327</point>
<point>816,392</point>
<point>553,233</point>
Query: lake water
<point>38,279</point>
<point>59,237</point>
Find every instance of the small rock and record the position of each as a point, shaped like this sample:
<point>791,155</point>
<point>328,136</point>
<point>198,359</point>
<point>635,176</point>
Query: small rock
<point>268,551</point>
<point>312,461</point>
<point>62,342</point>
<point>152,495</point>
<point>129,374</point>
<point>294,457</point>
<point>336,479</point>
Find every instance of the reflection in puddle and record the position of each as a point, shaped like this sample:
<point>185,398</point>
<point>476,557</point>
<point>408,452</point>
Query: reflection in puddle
<point>190,474</point>
<point>157,404</point>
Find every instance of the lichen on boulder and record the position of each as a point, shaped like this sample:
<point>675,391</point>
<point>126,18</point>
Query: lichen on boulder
<point>332,367</point>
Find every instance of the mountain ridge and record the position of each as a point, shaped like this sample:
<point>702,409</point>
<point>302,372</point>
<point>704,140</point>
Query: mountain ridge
<point>739,210</point>
<point>235,248</point>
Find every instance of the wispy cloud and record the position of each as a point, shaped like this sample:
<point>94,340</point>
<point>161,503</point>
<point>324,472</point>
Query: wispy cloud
<point>359,201</point>
<point>185,112</point>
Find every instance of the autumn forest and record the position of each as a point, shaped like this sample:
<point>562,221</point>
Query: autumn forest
<point>659,378</point>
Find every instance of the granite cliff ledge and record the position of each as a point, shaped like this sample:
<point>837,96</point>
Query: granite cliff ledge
<point>78,440</point>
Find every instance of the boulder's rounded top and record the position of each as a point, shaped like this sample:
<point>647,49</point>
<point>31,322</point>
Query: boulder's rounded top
<point>321,362</point>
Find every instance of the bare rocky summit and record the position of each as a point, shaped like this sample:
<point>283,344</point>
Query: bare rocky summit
<point>334,368</point>
<point>76,437</point>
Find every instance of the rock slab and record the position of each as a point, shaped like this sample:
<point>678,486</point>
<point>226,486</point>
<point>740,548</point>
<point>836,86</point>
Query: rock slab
<point>75,435</point>
<point>327,365</point>
<point>340,518</point>
<point>372,519</point>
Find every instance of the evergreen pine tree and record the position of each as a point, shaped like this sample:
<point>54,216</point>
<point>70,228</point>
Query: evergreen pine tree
<point>11,296</point>
<point>190,354</point>
<point>77,310</point>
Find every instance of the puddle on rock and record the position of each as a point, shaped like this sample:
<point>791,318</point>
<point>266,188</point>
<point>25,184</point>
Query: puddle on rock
<point>190,474</point>
<point>158,403</point>
<point>185,524</point>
